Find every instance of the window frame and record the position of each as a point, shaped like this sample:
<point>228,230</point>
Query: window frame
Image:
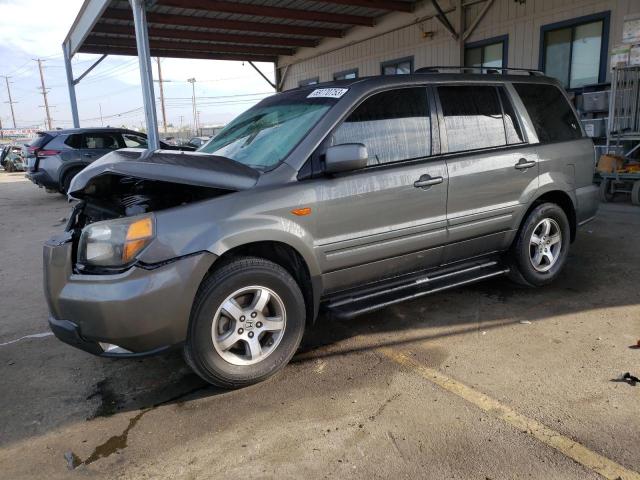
<point>309,82</point>
<point>346,72</point>
<point>314,167</point>
<point>444,141</point>
<point>504,39</point>
<point>573,23</point>
<point>397,61</point>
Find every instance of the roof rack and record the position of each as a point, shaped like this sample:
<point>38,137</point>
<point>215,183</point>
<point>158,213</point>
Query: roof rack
<point>486,70</point>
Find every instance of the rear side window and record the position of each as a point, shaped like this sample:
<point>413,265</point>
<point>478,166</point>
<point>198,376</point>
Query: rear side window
<point>393,125</point>
<point>109,141</point>
<point>74,141</point>
<point>550,112</point>
<point>474,118</point>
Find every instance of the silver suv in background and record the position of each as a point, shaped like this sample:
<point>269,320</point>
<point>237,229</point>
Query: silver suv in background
<point>55,157</point>
<point>347,197</point>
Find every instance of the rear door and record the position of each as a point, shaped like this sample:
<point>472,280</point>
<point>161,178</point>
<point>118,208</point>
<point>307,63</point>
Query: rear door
<point>493,171</point>
<point>97,144</point>
<point>389,218</point>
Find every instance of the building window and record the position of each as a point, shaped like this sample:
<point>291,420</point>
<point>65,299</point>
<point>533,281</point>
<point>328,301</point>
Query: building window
<point>486,54</point>
<point>309,81</point>
<point>575,51</point>
<point>401,66</point>
<point>346,74</point>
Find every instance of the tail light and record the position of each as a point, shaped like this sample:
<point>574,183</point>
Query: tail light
<point>46,153</point>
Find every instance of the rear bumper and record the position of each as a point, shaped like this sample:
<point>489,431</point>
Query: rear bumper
<point>587,203</point>
<point>42,179</point>
<point>141,310</point>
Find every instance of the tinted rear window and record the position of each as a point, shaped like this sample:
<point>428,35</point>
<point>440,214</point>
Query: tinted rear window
<point>40,140</point>
<point>550,112</point>
<point>473,117</point>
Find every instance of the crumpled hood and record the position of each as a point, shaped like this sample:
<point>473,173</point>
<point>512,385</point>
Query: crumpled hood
<point>188,168</point>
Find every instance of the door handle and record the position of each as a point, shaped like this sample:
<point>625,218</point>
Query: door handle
<point>523,164</point>
<point>425,181</point>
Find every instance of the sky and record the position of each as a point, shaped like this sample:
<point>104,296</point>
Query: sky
<point>31,29</point>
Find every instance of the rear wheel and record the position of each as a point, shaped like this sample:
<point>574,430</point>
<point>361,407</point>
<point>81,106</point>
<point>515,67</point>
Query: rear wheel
<point>246,323</point>
<point>541,247</point>
<point>66,180</point>
<point>8,167</point>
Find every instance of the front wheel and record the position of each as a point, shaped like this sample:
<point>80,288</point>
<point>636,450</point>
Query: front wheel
<point>246,323</point>
<point>541,247</point>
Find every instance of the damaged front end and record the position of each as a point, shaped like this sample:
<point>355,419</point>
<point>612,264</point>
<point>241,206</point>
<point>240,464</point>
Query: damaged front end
<point>121,279</point>
<point>132,183</point>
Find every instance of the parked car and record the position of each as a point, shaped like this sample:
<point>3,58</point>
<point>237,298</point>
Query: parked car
<point>55,157</point>
<point>11,158</point>
<point>347,197</point>
<point>197,142</point>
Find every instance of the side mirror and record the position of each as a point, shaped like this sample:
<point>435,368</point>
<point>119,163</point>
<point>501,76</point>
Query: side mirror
<point>346,157</point>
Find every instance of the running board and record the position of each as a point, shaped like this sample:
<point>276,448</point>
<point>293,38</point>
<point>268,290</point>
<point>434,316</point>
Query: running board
<point>352,305</point>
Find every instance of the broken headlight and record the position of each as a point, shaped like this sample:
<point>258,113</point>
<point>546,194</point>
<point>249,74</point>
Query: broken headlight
<point>115,243</point>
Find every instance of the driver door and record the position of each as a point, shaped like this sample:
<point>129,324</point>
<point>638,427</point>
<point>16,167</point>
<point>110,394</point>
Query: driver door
<point>390,217</point>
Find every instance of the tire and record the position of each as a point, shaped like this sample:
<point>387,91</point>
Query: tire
<point>531,264</point>
<point>605,190</point>
<point>245,279</point>
<point>635,193</point>
<point>8,167</point>
<point>66,180</point>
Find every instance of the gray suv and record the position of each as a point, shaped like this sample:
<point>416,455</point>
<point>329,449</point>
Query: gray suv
<point>344,197</point>
<point>55,157</point>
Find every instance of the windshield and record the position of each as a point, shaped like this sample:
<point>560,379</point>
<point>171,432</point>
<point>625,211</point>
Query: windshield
<point>264,135</point>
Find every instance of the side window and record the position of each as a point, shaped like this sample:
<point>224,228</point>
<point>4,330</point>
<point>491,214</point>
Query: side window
<point>74,141</point>
<point>101,141</point>
<point>550,112</point>
<point>393,125</point>
<point>134,141</point>
<point>472,117</point>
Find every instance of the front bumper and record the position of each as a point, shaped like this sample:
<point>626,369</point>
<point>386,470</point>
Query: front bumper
<point>142,310</point>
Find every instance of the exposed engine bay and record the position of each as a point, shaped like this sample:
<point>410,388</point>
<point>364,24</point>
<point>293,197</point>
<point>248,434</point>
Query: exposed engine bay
<point>112,196</point>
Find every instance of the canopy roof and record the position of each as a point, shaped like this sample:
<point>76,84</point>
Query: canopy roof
<point>249,30</point>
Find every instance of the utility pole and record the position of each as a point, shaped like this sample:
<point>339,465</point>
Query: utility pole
<point>10,102</point>
<point>44,94</point>
<point>164,113</point>
<point>192,81</point>
<point>101,121</point>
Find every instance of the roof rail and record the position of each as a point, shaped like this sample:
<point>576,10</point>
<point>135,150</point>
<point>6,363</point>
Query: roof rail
<point>487,70</point>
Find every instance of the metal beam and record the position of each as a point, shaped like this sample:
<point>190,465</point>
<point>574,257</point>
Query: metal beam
<point>263,75</point>
<point>87,17</point>
<point>146,74</point>
<point>198,47</point>
<point>478,19</point>
<point>70,85</point>
<point>155,32</point>
<point>206,22</point>
<point>182,53</point>
<point>271,12</point>
<point>86,72</point>
<point>377,4</point>
<point>442,18</point>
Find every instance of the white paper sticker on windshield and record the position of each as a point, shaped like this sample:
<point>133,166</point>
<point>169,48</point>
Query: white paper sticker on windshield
<point>328,93</point>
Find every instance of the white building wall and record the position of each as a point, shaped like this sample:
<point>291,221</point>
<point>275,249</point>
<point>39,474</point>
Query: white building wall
<point>521,22</point>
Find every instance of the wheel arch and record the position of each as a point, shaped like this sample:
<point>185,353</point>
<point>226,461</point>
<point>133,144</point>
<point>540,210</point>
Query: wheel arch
<point>287,257</point>
<point>69,167</point>
<point>560,198</point>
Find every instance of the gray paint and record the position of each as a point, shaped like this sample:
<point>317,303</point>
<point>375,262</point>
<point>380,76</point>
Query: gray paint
<point>365,225</point>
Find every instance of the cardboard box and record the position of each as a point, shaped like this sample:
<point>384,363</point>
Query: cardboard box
<point>610,163</point>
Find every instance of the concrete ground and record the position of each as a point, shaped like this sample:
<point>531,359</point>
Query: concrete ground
<point>486,382</point>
